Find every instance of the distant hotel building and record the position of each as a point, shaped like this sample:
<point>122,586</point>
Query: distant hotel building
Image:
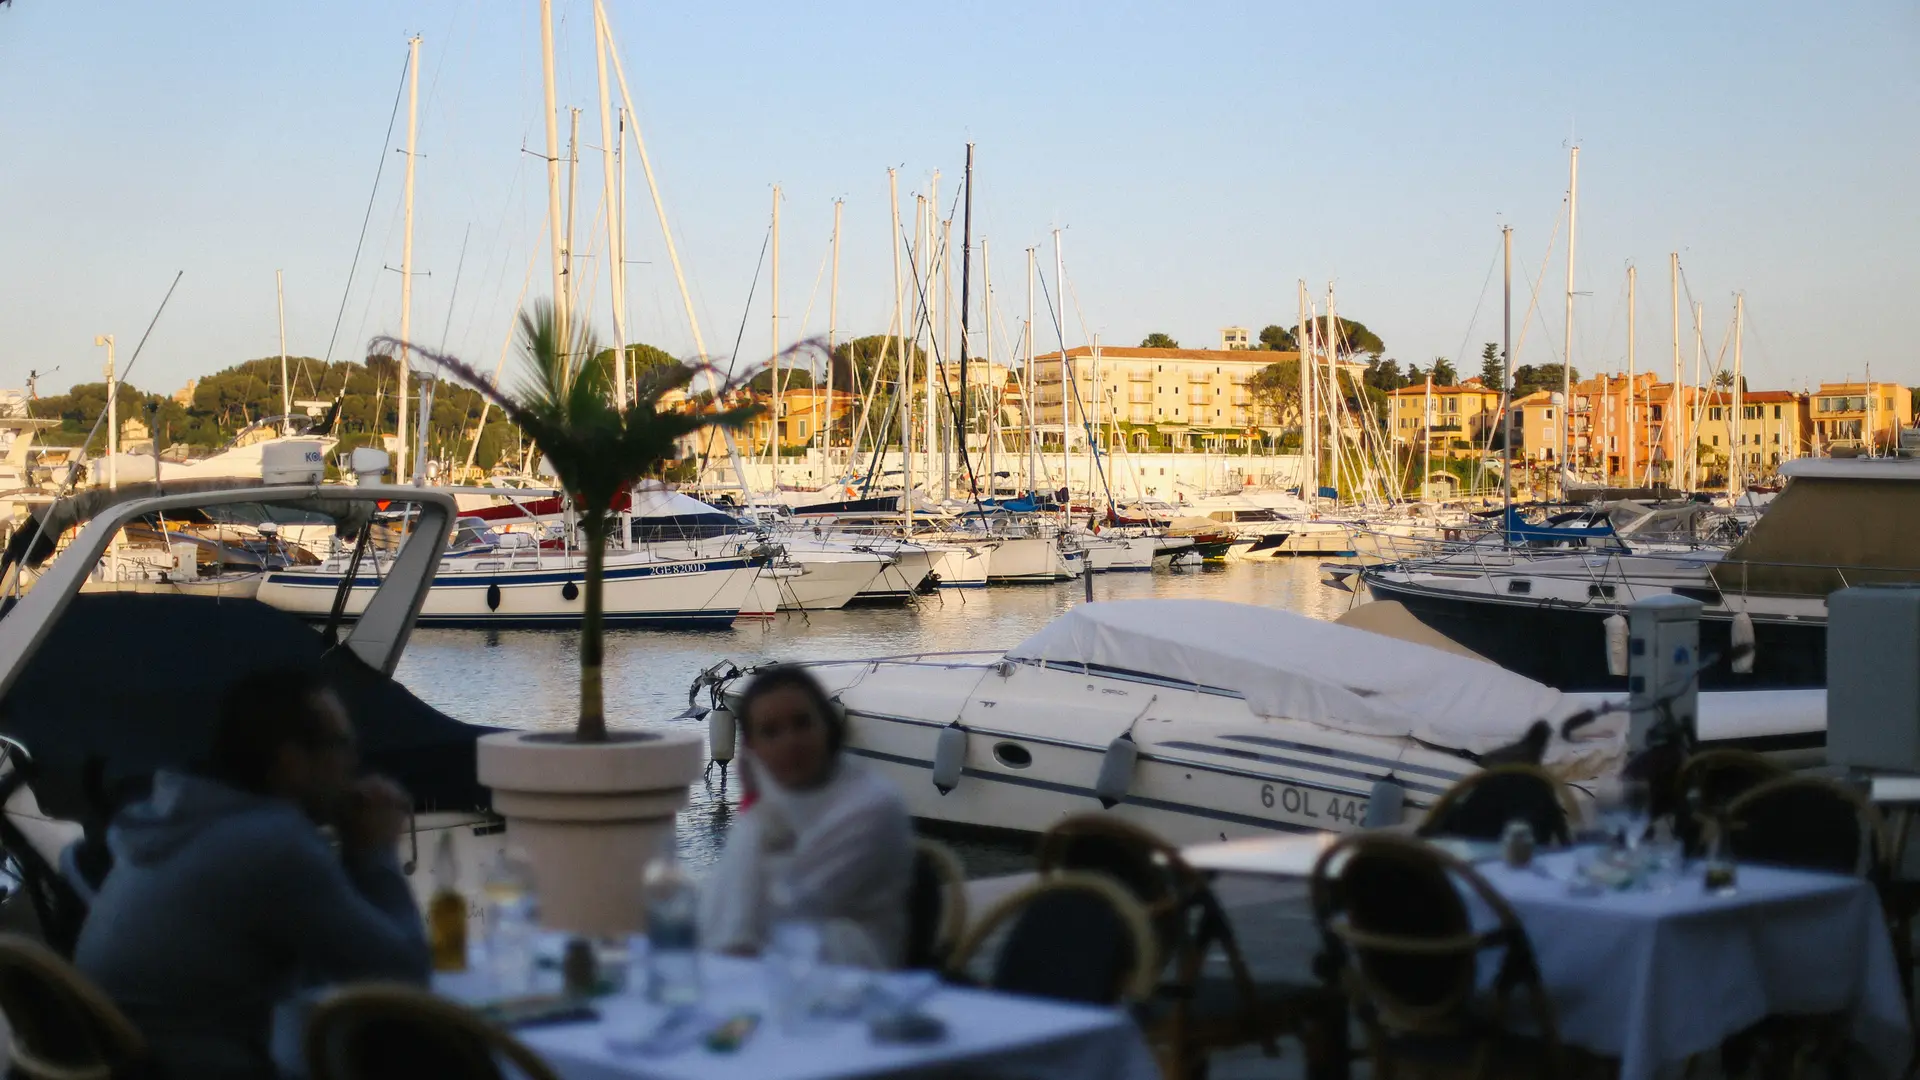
<point>1162,398</point>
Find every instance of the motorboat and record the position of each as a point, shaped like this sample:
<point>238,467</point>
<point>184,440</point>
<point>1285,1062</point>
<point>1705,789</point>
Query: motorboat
<point>1198,719</point>
<point>74,746</point>
<point>1544,613</point>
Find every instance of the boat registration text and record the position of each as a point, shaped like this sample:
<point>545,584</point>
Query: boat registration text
<point>1317,805</point>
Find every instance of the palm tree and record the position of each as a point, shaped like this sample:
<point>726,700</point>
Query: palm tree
<point>597,448</point>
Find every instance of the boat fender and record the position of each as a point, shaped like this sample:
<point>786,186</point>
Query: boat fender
<point>1740,644</point>
<point>1116,770</point>
<point>570,591</point>
<point>493,596</point>
<point>949,757</point>
<point>722,734</point>
<point>1616,627</point>
<point>1385,804</point>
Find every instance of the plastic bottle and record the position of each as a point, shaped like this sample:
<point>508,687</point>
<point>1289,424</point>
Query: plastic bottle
<point>447,911</point>
<point>673,934</point>
<point>511,917</point>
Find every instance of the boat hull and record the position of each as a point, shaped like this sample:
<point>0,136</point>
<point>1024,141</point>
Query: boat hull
<point>701,593</point>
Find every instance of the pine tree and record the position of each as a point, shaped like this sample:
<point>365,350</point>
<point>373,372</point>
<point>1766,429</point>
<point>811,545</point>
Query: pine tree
<point>1493,367</point>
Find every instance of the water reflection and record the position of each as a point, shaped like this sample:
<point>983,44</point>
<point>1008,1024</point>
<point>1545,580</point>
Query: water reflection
<point>529,678</point>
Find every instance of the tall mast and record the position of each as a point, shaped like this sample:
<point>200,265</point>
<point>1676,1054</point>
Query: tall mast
<point>773,442</point>
<point>966,283</point>
<point>1331,342</point>
<point>286,388</point>
<point>1309,419</point>
<point>986,314</point>
<point>906,378</point>
<point>573,198</point>
<point>616,257</point>
<point>1566,358</point>
<point>1632,428</point>
<point>555,230</point>
<point>917,263</point>
<point>1673,400</point>
<point>931,429</point>
<point>1506,386</point>
<point>1060,334</point>
<point>946,352</point>
<point>406,262</point>
<point>1426,436</point>
<point>1026,398</point>
<point>1699,362</point>
<point>833,327</point>
<point>1737,479</point>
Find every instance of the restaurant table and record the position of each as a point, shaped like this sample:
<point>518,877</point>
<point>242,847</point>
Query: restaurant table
<point>987,1033</point>
<point>1652,978</point>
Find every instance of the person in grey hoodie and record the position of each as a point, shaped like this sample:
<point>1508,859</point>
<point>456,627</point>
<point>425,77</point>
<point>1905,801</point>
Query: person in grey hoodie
<point>225,898</point>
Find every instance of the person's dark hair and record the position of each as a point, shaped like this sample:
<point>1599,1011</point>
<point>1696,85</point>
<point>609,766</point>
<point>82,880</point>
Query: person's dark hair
<point>789,676</point>
<point>259,713</point>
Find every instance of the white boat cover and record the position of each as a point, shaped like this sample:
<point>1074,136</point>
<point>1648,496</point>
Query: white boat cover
<point>651,499</point>
<point>1289,666</point>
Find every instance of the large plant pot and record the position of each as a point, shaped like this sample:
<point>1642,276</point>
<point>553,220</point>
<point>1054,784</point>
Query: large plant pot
<point>589,816</point>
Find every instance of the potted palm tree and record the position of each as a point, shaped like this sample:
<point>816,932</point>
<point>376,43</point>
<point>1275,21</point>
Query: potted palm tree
<point>592,805</point>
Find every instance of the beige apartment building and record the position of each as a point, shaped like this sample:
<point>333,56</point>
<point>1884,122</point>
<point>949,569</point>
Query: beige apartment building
<point>1854,415</point>
<point>1155,395</point>
<point>1454,419</point>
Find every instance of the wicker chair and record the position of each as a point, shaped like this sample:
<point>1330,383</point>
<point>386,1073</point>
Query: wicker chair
<point>1193,1013</point>
<point>1711,779</point>
<point>382,1031</point>
<point>1392,909</point>
<point>1480,805</point>
<point>64,1028</point>
<point>936,905</point>
<point>1070,936</point>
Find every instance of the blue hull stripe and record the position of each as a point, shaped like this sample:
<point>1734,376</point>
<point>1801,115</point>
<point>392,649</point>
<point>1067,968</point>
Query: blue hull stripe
<point>507,579</point>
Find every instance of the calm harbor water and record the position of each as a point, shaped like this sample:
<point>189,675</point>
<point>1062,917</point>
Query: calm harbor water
<point>528,678</point>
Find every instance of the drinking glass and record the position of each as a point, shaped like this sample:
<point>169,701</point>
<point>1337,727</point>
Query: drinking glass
<point>792,961</point>
<point>1636,805</point>
<point>1664,857</point>
<point>511,921</point>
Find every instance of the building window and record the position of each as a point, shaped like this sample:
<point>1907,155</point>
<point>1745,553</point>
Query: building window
<point>1776,412</point>
<point>1653,412</point>
<point>1549,414</point>
<point>1713,414</point>
<point>1716,440</point>
<point>1776,439</point>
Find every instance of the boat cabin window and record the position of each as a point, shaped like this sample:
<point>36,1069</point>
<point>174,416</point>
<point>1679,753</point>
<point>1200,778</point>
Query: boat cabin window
<point>1221,515</point>
<point>1519,585</point>
<point>1596,592</point>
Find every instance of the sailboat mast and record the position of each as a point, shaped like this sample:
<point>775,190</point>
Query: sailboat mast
<point>1426,438</point>
<point>616,258</point>
<point>286,388</point>
<point>1673,400</point>
<point>1060,334</point>
<point>1506,386</point>
<point>406,262</point>
<point>964,420</point>
<point>1026,399</point>
<point>1331,342</point>
<point>986,314</point>
<point>1632,428</point>
<point>555,230</point>
<point>833,330</point>
<point>1309,419</point>
<point>1699,363</point>
<point>946,351</point>
<point>1566,358</point>
<point>906,377</point>
<point>573,198</point>
<point>773,441</point>
<point>1737,477</point>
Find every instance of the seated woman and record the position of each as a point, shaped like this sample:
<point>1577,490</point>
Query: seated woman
<point>827,840</point>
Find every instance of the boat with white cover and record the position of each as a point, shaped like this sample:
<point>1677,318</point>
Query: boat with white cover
<point>1198,719</point>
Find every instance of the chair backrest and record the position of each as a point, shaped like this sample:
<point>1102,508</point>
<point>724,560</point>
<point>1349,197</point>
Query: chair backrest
<point>1479,806</point>
<point>936,904</point>
<point>64,1028</point>
<point>1069,936</point>
<point>1720,776</point>
<point>1394,910</point>
<point>1144,864</point>
<point>382,1031</point>
<point>1809,822</point>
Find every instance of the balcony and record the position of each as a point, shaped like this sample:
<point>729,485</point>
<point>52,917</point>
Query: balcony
<point>1199,397</point>
<point>1199,377</point>
<point>1242,400</point>
<point>1138,376</point>
<point>1138,395</point>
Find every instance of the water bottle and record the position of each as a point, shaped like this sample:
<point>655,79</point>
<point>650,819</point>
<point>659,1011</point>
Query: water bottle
<point>672,907</point>
<point>510,926</point>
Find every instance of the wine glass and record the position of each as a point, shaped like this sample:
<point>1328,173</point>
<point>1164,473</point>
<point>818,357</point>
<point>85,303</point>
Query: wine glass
<point>792,958</point>
<point>1636,810</point>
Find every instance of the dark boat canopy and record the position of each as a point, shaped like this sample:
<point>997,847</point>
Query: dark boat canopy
<point>128,683</point>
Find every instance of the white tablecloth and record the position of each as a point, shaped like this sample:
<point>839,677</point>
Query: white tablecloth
<point>1653,978</point>
<point>992,1033</point>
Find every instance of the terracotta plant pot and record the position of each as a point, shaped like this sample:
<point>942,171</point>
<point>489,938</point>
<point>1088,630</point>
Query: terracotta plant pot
<point>589,816</point>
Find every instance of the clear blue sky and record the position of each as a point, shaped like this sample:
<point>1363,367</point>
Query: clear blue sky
<point>1202,157</point>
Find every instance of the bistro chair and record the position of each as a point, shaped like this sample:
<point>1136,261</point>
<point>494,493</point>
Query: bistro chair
<point>1193,1013</point>
<point>1480,805</point>
<point>64,1028</point>
<point>936,904</point>
<point>1711,779</point>
<point>1068,936</point>
<point>1394,912</point>
<point>389,1031</point>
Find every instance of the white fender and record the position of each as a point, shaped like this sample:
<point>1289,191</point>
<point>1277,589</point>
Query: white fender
<point>1616,625</point>
<point>949,757</point>
<point>723,734</point>
<point>1116,770</point>
<point>1741,642</point>
<point>1385,804</point>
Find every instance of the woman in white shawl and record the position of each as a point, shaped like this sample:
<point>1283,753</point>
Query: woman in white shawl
<point>827,841</point>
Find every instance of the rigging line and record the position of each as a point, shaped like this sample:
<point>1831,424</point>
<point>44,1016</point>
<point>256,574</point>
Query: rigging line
<point>940,364</point>
<point>385,142</point>
<point>706,452</point>
<point>1467,335</point>
<point>1053,309</point>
